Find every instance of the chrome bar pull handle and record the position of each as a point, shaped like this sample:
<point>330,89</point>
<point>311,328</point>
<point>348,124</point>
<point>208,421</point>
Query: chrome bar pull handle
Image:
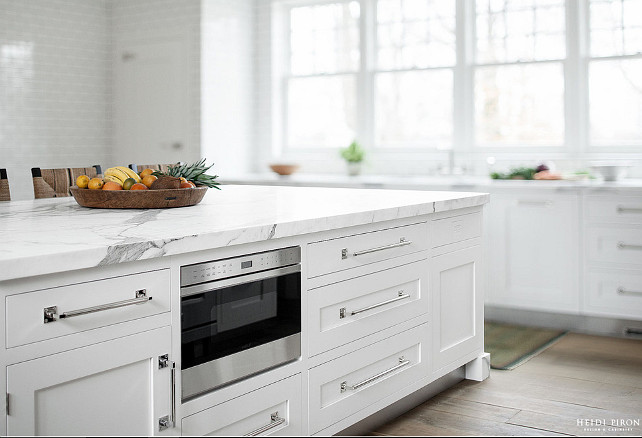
<point>402,363</point>
<point>622,291</point>
<point>622,245</point>
<point>401,296</point>
<point>621,209</point>
<point>173,394</point>
<point>402,242</point>
<point>275,421</point>
<point>50,312</point>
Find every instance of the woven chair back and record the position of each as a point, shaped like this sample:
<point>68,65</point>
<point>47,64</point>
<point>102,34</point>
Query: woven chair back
<point>55,183</point>
<point>5,194</point>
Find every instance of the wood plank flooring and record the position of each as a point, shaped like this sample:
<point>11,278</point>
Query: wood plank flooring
<point>581,377</point>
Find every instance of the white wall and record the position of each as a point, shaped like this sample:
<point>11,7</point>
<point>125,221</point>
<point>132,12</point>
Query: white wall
<point>54,87</point>
<point>227,85</point>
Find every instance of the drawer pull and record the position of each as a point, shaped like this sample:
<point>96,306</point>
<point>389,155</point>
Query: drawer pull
<point>402,296</point>
<point>402,363</point>
<point>402,242</point>
<point>622,291</point>
<point>50,312</point>
<point>622,245</point>
<point>621,209</point>
<point>275,421</point>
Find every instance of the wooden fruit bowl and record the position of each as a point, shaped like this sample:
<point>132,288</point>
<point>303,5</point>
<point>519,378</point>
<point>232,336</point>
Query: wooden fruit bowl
<point>163,198</point>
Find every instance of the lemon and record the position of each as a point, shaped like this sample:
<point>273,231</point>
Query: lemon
<point>95,184</point>
<point>82,181</point>
<point>128,183</point>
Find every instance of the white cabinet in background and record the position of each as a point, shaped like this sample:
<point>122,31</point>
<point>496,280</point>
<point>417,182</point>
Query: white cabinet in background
<point>110,388</point>
<point>533,251</point>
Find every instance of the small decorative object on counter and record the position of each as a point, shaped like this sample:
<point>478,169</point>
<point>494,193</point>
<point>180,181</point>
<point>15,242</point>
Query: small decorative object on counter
<point>284,169</point>
<point>353,155</point>
<point>541,172</point>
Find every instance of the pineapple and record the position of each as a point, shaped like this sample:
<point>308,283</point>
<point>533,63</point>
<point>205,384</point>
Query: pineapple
<point>193,172</point>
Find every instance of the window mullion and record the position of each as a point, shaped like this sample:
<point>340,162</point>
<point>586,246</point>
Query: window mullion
<point>365,88</point>
<point>573,140</point>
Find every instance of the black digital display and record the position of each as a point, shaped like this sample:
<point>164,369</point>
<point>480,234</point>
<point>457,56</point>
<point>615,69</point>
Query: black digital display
<point>247,264</point>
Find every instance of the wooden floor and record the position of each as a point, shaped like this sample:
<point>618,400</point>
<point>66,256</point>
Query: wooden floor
<point>580,377</point>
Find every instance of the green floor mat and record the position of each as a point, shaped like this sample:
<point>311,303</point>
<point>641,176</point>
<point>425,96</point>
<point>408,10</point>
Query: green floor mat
<point>512,345</point>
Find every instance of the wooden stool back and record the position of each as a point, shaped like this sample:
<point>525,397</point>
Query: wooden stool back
<point>55,183</point>
<point>5,194</point>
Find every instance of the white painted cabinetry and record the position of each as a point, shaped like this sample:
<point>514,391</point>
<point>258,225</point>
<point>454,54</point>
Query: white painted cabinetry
<point>110,388</point>
<point>533,255</point>
<point>613,268</point>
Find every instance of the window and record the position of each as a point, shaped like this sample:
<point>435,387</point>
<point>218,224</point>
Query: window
<point>322,84</point>
<point>407,77</point>
<point>413,84</point>
<point>615,72</point>
<point>519,73</point>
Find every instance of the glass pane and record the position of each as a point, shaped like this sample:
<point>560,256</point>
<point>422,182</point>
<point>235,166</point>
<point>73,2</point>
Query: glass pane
<point>616,27</point>
<point>324,38</point>
<point>415,34</point>
<point>526,30</point>
<point>321,111</point>
<point>414,109</point>
<point>615,93</point>
<point>519,105</point>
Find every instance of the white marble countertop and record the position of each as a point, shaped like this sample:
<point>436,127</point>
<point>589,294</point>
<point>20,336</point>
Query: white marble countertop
<point>55,235</point>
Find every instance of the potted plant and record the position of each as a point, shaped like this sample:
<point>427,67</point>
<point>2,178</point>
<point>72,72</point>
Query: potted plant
<point>353,155</point>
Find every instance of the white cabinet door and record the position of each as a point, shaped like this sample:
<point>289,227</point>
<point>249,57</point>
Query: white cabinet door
<point>457,307</point>
<point>111,388</point>
<point>532,252</point>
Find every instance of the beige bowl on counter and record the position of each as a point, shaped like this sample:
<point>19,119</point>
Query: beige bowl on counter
<point>284,169</point>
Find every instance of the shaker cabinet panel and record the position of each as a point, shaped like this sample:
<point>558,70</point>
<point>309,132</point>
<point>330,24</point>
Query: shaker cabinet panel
<point>457,306</point>
<point>111,388</point>
<point>533,252</point>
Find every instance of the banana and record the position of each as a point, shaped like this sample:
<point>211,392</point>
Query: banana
<point>117,173</point>
<point>129,172</point>
<point>112,179</point>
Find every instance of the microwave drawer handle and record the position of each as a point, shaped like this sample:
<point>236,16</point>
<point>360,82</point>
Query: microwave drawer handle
<point>402,363</point>
<point>50,312</point>
<point>275,421</point>
<point>402,242</point>
<point>402,296</point>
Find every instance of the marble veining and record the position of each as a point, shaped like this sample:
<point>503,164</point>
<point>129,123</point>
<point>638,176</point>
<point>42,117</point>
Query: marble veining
<point>50,235</point>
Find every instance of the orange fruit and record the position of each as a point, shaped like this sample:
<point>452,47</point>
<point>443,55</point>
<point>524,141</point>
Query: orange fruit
<point>148,180</point>
<point>187,185</point>
<point>139,186</point>
<point>146,172</point>
<point>95,184</point>
<point>82,181</point>
<point>110,185</point>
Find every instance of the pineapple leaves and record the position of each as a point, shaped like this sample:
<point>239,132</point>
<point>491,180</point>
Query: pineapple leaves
<point>194,172</point>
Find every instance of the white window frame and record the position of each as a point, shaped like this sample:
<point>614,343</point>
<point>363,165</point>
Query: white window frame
<point>576,143</point>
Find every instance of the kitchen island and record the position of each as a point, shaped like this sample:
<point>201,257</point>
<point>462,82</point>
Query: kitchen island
<point>119,272</point>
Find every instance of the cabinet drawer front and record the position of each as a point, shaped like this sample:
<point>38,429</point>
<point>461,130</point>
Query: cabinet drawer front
<point>614,209</point>
<point>456,229</point>
<point>615,245</point>
<point>343,312</point>
<point>85,306</point>
<point>361,249</point>
<point>616,293</point>
<point>350,383</point>
<point>272,410</point>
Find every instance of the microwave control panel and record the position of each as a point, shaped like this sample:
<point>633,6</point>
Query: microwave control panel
<point>232,267</point>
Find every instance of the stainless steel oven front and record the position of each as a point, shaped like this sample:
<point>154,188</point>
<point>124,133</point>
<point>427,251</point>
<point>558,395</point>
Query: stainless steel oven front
<point>239,317</point>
